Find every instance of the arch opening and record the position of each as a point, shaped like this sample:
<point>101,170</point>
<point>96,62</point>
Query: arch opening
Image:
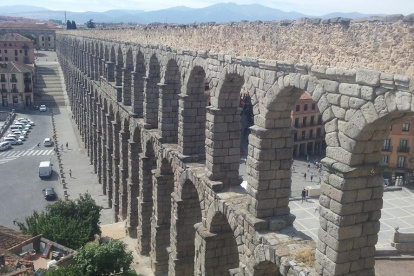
<point>151,92</point>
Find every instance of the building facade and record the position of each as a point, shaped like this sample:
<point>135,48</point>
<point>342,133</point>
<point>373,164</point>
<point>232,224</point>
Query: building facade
<point>397,151</point>
<point>15,47</point>
<point>306,118</point>
<point>16,84</point>
<point>43,35</point>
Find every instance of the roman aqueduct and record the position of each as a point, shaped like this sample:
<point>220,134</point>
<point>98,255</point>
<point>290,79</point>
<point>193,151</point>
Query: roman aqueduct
<point>169,164</point>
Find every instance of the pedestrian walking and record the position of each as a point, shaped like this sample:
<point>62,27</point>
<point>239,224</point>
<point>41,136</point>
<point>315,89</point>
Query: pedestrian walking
<point>67,145</point>
<point>61,147</point>
<point>70,173</point>
<point>303,195</point>
<point>304,176</point>
<point>311,177</point>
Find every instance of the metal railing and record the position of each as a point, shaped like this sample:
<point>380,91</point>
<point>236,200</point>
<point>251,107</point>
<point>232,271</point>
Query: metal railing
<point>403,149</point>
<point>13,80</point>
<point>389,148</point>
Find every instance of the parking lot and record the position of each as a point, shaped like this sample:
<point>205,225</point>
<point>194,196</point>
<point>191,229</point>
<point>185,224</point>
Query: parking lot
<point>20,182</point>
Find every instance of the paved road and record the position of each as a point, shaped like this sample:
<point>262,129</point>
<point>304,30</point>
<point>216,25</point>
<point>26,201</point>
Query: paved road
<point>20,184</point>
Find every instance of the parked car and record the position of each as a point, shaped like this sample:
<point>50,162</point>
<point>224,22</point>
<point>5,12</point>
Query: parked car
<point>49,193</point>
<point>12,141</point>
<point>48,142</point>
<point>17,137</point>
<point>5,146</point>
<point>42,108</point>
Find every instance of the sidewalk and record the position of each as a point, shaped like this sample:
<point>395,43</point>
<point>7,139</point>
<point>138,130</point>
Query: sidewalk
<point>75,158</point>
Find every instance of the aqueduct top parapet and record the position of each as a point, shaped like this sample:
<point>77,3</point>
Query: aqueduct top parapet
<point>385,45</point>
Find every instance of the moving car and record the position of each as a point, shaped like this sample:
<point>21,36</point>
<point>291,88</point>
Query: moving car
<point>48,142</point>
<point>45,169</point>
<point>42,108</point>
<point>49,193</point>
<point>5,146</point>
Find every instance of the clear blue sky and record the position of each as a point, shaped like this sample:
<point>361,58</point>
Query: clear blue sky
<point>311,7</point>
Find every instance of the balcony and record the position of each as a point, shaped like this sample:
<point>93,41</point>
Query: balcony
<point>389,148</point>
<point>13,80</point>
<point>403,149</point>
<point>15,91</point>
<point>2,80</point>
<point>3,90</point>
<point>27,80</point>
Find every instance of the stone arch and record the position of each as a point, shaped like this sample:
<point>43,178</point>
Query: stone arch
<point>219,238</point>
<point>170,90</point>
<point>119,66</point>
<point>126,79</point>
<point>223,158</point>
<point>151,92</point>
<point>186,212</point>
<point>138,84</point>
<point>352,186</point>
<point>109,154</point>
<point>263,262</point>
<point>124,136</point>
<point>192,115</point>
<point>134,153</point>
<point>163,186</point>
<point>148,163</point>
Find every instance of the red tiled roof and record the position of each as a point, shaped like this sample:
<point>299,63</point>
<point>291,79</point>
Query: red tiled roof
<point>15,67</point>
<point>12,37</point>
<point>305,96</point>
<point>13,25</point>
<point>10,238</point>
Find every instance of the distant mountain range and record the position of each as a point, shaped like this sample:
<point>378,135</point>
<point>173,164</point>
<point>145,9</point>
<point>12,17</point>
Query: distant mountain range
<point>223,12</point>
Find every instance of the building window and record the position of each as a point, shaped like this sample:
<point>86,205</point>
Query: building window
<point>297,107</point>
<point>0,51</point>
<point>25,52</point>
<point>16,52</point>
<point>3,77</point>
<point>318,133</point>
<point>295,136</point>
<point>16,58</point>
<point>390,128</point>
<point>297,122</point>
<point>387,144</point>
<point>319,119</point>
<point>6,59</point>
<point>401,162</point>
<point>303,135</point>
<point>312,121</point>
<point>403,147</point>
<point>384,159</point>
<point>305,107</point>
<point>1,59</point>
<point>313,106</point>
<point>5,51</point>
<point>304,121</point>
<point>406,127</point>
<point>3,88</point>
<point>43,38</point>
<point>21,51</point>
<point>311,133</point>
<point>14,88</point>
<point>48,38</point>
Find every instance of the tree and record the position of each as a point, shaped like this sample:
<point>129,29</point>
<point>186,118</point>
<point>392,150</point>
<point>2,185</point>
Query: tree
<point>90,24</point>
<point>71,223</point>
<point>73,25</point>
<point>104,259</point>
<point>68,25</point>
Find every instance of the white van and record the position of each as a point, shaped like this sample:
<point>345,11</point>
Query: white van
<point>12,141</point>
<point>45,169</point>
<point>16,127</point>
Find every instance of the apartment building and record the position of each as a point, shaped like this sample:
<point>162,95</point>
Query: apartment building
<point>310,136</point>
<point>398,151</point>
<point>15,47</point>
<point>16,84</point>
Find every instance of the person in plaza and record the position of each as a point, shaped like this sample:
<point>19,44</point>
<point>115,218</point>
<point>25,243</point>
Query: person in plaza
<point>311,177</point>
<point>304,176</point>
<point>303,195</point>
<point>308,165</point>
<point>67,144</point>
<point>70,173</point>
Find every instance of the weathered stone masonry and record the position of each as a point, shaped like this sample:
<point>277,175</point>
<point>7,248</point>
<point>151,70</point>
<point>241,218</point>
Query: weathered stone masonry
<point>159,178</point>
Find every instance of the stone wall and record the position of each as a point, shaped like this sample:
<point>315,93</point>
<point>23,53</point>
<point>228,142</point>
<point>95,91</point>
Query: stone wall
<point>382,44</point>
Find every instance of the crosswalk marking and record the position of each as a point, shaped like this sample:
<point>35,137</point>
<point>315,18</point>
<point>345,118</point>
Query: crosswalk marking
<point>24,153</point>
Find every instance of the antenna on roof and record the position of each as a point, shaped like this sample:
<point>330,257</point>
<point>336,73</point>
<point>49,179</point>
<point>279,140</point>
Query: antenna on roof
<point>65,19</point>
